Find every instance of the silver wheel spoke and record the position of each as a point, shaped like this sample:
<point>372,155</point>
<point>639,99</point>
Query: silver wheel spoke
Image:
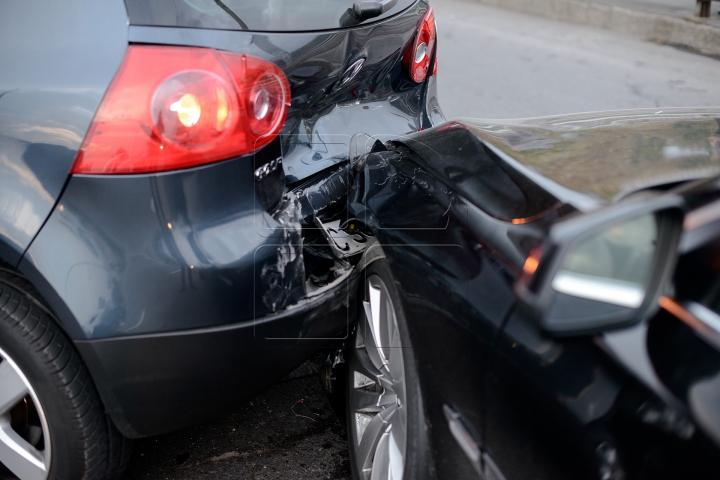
<point>365,400</point>
<point>399,434</point>
<point>18,456</point>
<point>376,319</point>
<point>12,387</point>
<point>371,339</point>
<point>381,462</point>
<point>368,445</point>
<point>395,452</point>
<point>16,453</point>
<point>366,365</point>
<point>396,370</point>
<point>377,394</point>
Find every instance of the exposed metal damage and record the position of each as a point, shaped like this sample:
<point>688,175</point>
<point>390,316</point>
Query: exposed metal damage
<point>321,246</point>
<point>283,279</point>
<point>328,219</point>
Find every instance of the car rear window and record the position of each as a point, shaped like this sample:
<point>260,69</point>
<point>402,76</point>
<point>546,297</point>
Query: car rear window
<point>255,15</point>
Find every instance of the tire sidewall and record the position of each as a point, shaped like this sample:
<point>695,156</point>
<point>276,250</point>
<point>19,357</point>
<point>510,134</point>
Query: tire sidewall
<point>66,452</point>
<point>418,463</point>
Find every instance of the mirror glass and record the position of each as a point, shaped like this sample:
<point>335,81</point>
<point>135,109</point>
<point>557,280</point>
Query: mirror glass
<point>612,266</point>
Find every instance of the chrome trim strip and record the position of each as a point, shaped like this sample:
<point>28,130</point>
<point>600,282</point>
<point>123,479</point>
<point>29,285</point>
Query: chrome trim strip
<point>702,216</point>
<point>709,320</point>
<point>463,437</point>
<point>485,467</point>
<point>606,290</point>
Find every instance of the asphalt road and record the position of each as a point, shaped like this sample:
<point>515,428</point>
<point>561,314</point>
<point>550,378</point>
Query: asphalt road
<point>499,64</point>
<point>493,64</point>
<point>271,437</point>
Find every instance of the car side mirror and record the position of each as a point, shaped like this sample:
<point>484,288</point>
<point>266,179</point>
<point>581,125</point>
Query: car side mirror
<point>604,269</point>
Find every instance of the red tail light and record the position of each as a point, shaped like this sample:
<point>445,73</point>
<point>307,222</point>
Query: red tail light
<point>417,59</point>
<point>178,107</point>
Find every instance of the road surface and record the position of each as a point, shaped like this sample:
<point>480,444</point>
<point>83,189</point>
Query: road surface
<point>500,64</point>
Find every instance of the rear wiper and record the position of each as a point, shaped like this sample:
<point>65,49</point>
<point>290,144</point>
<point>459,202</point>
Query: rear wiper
<point>232,14</point>
<point>364,10</point>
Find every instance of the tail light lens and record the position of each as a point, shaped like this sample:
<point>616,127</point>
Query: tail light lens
<point>176,107</point>
<point>417,59</point>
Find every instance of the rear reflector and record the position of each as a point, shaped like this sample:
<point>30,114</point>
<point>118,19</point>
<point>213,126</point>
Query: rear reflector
<point>178,107</point>
<point>417,59</point>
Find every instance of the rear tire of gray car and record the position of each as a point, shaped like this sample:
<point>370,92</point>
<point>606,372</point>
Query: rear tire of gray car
<point>385,414</point>
<point>52,422</point>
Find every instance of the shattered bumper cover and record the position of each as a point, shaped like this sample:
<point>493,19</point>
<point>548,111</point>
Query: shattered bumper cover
<point>152,384</point>
<point>185,293</point>
<point>146,254</point>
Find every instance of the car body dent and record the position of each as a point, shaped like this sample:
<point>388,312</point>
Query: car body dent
<point>90,279</point>
<point>323,119</point>
<point>188,247</point>
<point>169,282</point>
<point>598,396</point>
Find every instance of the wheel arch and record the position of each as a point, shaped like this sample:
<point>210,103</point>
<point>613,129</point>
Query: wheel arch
<point>44,295</point>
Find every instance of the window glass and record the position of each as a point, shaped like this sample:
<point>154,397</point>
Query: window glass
<point>613,266</point>
<point>256,15</point>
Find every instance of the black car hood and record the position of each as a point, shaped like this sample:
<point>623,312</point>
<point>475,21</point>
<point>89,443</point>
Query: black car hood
<point>605,156</point>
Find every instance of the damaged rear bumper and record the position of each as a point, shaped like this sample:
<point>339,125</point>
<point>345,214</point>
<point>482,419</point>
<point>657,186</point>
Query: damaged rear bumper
<point>185,294</point>
<point>152,384</point>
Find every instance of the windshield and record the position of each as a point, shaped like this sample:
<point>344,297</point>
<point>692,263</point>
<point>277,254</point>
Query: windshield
<point>256,15</point>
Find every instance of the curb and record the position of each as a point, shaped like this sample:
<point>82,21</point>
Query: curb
<point>665,29</point>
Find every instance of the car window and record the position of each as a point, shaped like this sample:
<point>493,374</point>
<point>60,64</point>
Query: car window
<point>255,15</point>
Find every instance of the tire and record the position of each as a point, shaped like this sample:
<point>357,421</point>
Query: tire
<point>52,422</point>
<point>384,402</point>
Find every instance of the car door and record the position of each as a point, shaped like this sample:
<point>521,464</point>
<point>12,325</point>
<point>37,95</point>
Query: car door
<point>548,401</point>
<point>632,402</point>
<point>614,405</point>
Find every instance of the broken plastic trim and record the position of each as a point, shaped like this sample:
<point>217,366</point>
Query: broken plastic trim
<point>320,247</point>
<point>283,280</point>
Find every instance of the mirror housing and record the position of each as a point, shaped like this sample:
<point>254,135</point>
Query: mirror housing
<point>566,301</point>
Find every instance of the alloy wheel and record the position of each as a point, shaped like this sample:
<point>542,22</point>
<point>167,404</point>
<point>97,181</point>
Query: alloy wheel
<point>376,397</point>
<point>24,437</point>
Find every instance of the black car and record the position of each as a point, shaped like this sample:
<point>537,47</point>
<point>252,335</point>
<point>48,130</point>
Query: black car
<point>541,300</point>
<point>155,267</point>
